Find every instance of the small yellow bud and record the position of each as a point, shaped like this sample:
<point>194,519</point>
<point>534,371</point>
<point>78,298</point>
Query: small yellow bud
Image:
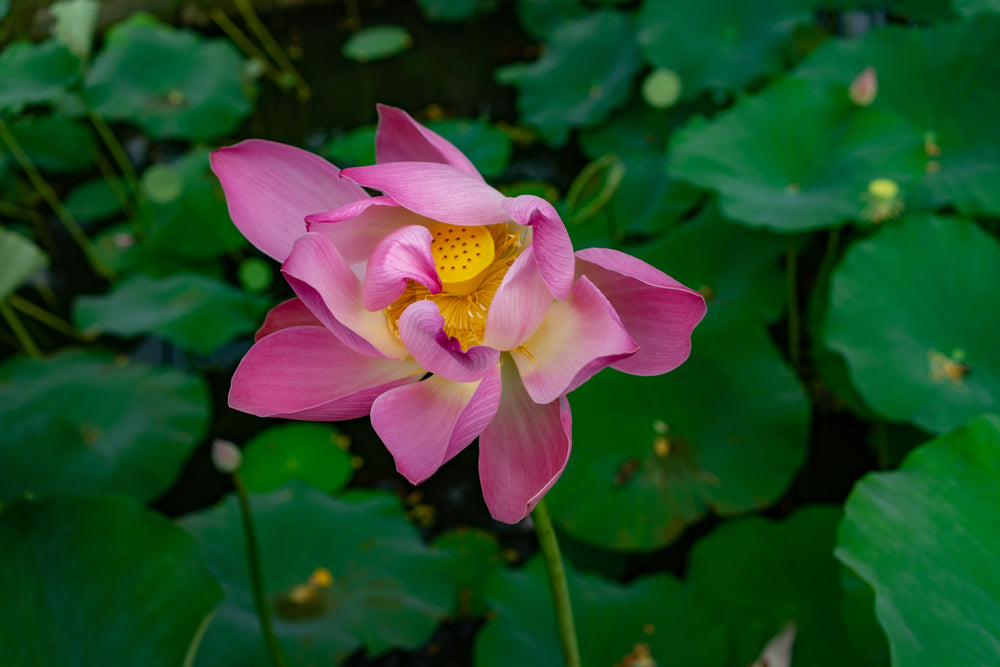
<point>883,188</point>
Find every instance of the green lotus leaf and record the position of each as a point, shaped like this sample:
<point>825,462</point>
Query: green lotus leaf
<point>75,24</point>
<point>611,620</point>
<point>193,311</point>
<point>388,589</point>
<point>453,11</point>
<point>487,146</point>
<point>172,83</point>
<point>297,450</point>
<point>20,259</point>
<point>920,345</point>
<point>762,574</point>
<point>717,45</point>
<point>796,157</point>
<point>969,8</point>
<point>353,149</point>
<point>585,73</point>
<point>35,73</point>
<point>81,422</point>
<point>925,538</point>
<point>55,143</point>
<point>377,43</point>
<point>95,199</point>
<point>89,578</point>
<point>540,18</point>
<point>950,119</point>
<point>477,556</point>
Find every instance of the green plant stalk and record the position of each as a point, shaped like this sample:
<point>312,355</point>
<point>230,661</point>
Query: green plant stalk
<point>239,38</point>
<point>794,342</point>
<point>278,54</point>
<point>23,337</point>
<point>256,580</point>
<point>49,195</point>
<point>118,154</point>
<point>557,583</point>
<point>43,316</point>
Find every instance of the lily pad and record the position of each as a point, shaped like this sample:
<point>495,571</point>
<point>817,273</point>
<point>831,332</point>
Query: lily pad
<point>20,259</point>
<point>172,83</point>
<point>611,620</point>
<point>477,556</point>
<point>653,455</point>
<point>797,157</point>
<point>75,24</point>
<point>384,588</point>
<point>35,73</point>
<point>89,578</point>
<point>747,41</point>
<point>949,118</point>
<point>485,144</point>
<point>314,453</point>
<point>920,345</point>
<point>55,143</point>
<point>762,574</point>
<point>925,538</point>
<point>540,17</point>
<point>377,43</point>
<point>453,11</point>
<point>585,73</point>
<point>192,311</point>
<point>353,149</point>
<point>83,423</point>
<point>94,200</point>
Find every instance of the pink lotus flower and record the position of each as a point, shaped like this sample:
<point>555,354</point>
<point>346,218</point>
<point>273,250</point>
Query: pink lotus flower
<point>441,307</point>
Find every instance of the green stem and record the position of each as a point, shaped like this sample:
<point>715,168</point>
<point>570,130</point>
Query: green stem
<point>118,153</point>
<point>256,580</point>
<point>557,583</point>
<point>23,337</point>
<point>43,316</point>
<point>239,38</point>
<point>277,54</point>
<point>49,195</point>
<point>793,306</point>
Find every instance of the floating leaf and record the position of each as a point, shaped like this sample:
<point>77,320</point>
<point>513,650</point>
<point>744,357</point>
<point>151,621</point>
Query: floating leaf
<point>95,199</point>
<point>541,17</point>
<point>353,149</point>
<point>82,423</point>
<point>477,556</point>
<point>35,73</point>
<point>20,259</point>
<point>746,41</point>
<point>761,575</point>
<point>192,311</point>
<point>611,620</point>
<point>585,73</point>
<point>488,147</point>
<point>798,156</point>
<point>377,43</point>
<point>55,143</point>
<point>171,83</point>
<point>89,578</point>
<point>925,538</point>
<point>75,23</point>
<point>297,450</point>
<point>920,345</point>
<point>384,587</point>
<point>452,11</point>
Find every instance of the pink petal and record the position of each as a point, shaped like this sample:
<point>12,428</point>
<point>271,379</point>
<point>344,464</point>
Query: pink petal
<point>438,191</point>
<point>358,227</point>
<point>421,327</point>
<point>424,425</point>
<point>519,304</point>
<point>402,139</point>
<point>553,248</point>
<point>291,313</point>
<point>271,188</point>
<point>658,312</point>
<point>405,254</point>
<point>577,338</point>
<point>523,450</point>
<point>308,373</point>
<point>327,286</point>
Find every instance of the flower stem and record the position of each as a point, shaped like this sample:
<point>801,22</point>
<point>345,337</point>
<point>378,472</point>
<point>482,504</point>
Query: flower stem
<point>23,337</point>
<point>43,316</point>
<point>256,580</point>
<point>793,306</point>
<point>557,582</point>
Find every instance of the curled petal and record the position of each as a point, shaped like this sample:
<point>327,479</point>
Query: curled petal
<point>658,312</point>
<point>577,338</point>
<point>425,424</point>
<point>421,327</point>
<point>523,450</point>
<point>439,191</point>
<point>519,304</point>
<point>270,189</point>
<point>330,290</point>
<point>401,139</point>
<point>549,238</point>
<point>358,227</point>
<point>405,254</point>
<point>308,373</point>
<point>291,313</point>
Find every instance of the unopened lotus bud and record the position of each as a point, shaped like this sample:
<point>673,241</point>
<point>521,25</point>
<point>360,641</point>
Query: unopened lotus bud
<point>226,456</point>
<point>864,88</point>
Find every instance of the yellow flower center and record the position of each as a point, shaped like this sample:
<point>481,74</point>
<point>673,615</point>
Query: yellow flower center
<point>471,262</point>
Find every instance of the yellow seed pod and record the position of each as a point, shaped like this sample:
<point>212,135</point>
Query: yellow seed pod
<point>461,255</point>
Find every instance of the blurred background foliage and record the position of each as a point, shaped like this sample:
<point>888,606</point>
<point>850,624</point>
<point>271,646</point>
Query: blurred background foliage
<point>824,468</point>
